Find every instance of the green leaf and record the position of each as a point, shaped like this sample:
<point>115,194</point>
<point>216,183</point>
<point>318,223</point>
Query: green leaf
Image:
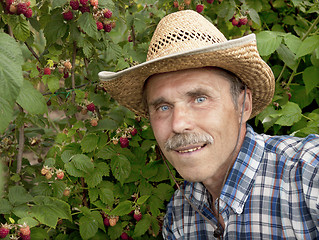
<point>164,191</point>
<point>95,177</point>
<point>58,3</point>
<point>5,206</point>
<point>58,188</point>
<point>52,81</point>
<point>155,205</point>
<point>55,28</point>
<point>287,56</point>
<point>31,100</point>
<point>48,210</point>
<point>88,25</point>
<point>122,209</point>
<point>107,4</point>
<point>88,227</point>
<point>311,78</point>
<point>292,42</point>
<point>89,142</point>
<point>106,124</point>
<point>106,152</point>
<point>141,200</point>
<point>82,162</point>
<point>41,234</point>
<point>121,167</point>
<point>18,195</point>
<point>308,46</point>
<point>253,14</point>
<point>31,222</point>
<point>291,113</point>
<point>106,195</point>
<point>93,194</point>
<point>21,211</point>
<point>267,42</point>
<point>11,78</point>
<point>115,232</point>
<point>142,226</point>
<point>20,27</point>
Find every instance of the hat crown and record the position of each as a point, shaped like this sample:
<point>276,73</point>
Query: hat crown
<point>182,31</point>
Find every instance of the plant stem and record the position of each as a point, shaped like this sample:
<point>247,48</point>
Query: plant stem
<point>73,71</point>
<point>20,146</point>
<point>310,29</point>
<point>32,51</point>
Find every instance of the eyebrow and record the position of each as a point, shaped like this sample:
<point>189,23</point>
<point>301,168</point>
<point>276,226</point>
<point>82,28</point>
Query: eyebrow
<point>197,92</point>
<point>157,101</point>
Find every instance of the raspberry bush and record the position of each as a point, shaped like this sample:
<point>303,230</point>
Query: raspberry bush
<point>76,165</point>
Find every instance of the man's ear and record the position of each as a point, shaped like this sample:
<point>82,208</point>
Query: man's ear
<point>245,101</point>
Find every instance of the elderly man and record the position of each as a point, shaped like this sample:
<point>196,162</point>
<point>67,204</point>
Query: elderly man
<point>199,90</point>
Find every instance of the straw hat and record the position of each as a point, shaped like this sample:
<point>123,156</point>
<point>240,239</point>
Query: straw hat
<point>183,40</point>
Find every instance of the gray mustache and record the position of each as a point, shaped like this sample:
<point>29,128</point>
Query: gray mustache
<point>184,139</point>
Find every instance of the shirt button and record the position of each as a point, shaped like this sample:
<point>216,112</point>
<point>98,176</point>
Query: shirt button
<point>239,211</point>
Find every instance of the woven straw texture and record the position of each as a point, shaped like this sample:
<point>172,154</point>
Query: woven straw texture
<point>184,40</point>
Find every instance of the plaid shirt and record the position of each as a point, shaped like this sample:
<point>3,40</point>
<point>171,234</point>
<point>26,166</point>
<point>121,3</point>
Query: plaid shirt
<point>272,192</point>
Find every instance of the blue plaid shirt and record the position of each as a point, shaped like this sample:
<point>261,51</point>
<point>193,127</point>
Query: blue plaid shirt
<point>272,192</point>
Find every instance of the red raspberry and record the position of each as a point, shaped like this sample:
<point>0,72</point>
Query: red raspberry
<point>28,3</point>
<point>94,3</point>
<point>234,22</point>
<point>108,13</point>
<point>74,4</point>
<point>129,38</point>
<point>9,2</point>
<point>28,13</point>
<point>68,15</point>
<point>175,4</point>
<point>47,71</point>
<point>99,25</point>
<point>84,2</point>
<point>25,237</point>
<point>91,107</point>
<point>137,215</point>
<point>4,232</point>
<point>60,174</point>
<point>108,27</point>
<point>25,230</point>
<point>243,20</point>
<point>66,75</point>
<point>106,222</point>
<point>94,122</point>
<point>134,132</point>
<point>124,236</point>
<point>199,8</point>
<point>21,8</point>
<point>84,9</point>
<point>210,1</point>
<point>124,142</point>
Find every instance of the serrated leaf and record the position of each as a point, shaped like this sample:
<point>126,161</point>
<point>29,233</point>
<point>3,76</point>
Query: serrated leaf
<point>308,46</point>
<point>311,78</point>
<point>58,3</point>
<point>82,162</point>
<point>55,28</point>
<point>253,14</point>
<point>48,210</point>
<point>18,195</point>
<point>164,191</point>
<point>6,112</point>
<point>5,206</point>
<point>20,27</point>
<point>31,100</point>
<point>88,227</point>
<point>115,232</point>
<point>31,222</point>
<point>88,25</point>
<point>155,205</point>
<point>142,226</point>
<point>121,167</point>
<point>93,194</point>
<point>89,142</point>
<point>122,209</point>
<point>291,113</point>
<point>267,42</point>
<point>58,188</point>
<point>21,211</point>
<point>287,56</point>
<point>106,196</point>
<point>292,42</point>
<point>141,200</point>
<point>107,4</point>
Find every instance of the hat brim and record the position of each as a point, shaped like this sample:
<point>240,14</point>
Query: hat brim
<point>239,56</point>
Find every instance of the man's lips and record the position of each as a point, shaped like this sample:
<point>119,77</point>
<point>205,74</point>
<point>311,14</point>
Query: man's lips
<point>188,149</point>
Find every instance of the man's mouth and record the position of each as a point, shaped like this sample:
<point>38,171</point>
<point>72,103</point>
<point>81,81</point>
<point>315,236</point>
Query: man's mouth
<point>190,149</point>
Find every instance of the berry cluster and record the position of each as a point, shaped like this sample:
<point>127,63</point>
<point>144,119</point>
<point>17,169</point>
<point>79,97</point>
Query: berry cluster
<point>19,7</point>
<point>101,16</point>
<point>239,21</point>
<point>125,135</point>
<point>22,231</point>
<point>49,171</point>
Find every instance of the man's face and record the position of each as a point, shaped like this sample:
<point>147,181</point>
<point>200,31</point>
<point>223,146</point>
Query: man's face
<point>194,101</point>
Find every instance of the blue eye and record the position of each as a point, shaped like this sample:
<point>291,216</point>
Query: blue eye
<point>163,108</point>
<point>200,99</point>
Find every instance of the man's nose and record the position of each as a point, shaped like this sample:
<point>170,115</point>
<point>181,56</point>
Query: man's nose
<point>182,119</point>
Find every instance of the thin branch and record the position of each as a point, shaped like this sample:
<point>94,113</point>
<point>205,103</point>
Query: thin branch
<point>21,145</point>
<point>73,71</point>
<point>133,35</point>
<point>32,51</point>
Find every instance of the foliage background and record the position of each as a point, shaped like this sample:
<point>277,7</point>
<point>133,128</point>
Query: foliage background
<point>43,123</point>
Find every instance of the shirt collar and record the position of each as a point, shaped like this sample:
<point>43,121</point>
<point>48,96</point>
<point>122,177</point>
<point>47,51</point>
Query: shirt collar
<point>242,176</point>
